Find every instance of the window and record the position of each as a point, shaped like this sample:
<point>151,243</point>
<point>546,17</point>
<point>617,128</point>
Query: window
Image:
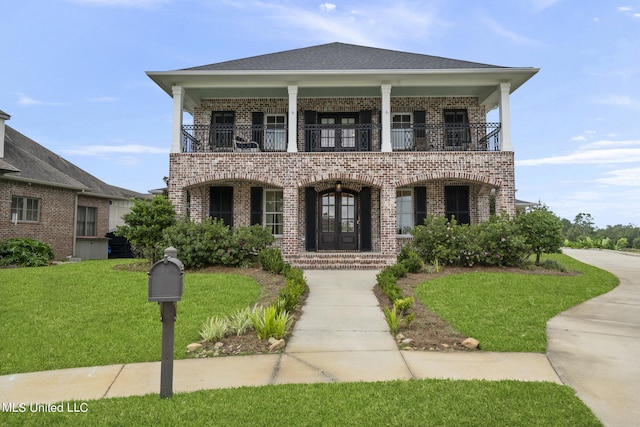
<point>456,199</point>
<point>25,209</point>
<point>221,204</point>
<point>273,204</point>
<point>401,131</point>
<point>404,210</point>
<point>276,133</point>
<point>86,221</point>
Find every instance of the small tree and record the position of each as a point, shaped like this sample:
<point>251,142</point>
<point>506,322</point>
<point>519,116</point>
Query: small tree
<point>146,223</point>
<point>542,230</point>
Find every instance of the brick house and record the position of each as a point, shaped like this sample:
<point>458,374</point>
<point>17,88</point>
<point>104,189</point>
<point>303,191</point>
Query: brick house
<point>340,149</point>
<point>44,197</point>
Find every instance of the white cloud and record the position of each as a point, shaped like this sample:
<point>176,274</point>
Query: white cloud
<point>27,101</point>
<point>380,24</point>
<point>598,153</point>
<point>625,177</point>
<point>543,4</point>
<point>579,138</point>
<point>102,150</point>
<point>615,100</point>
<point>497,28</point>
<point>327,7</point>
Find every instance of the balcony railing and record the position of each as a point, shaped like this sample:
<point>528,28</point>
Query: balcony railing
<point>217,138</point>
<point>339,137</point>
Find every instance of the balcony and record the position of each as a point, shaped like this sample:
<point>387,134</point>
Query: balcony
<point>342,138</point>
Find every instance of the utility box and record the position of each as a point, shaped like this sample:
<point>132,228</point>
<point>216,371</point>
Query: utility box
<point>166,280</point>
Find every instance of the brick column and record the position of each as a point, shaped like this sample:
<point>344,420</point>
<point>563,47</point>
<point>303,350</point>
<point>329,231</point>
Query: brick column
<point>289,243</point>
<point>388,220</point>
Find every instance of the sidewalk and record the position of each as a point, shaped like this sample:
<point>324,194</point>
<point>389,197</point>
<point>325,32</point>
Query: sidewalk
<point>341,337</point>
<point>594,346</point>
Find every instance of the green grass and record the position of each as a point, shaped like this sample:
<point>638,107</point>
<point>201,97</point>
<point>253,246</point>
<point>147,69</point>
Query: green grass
<point>424,402</point>
<point>88,314</point>
<point>509,312</point>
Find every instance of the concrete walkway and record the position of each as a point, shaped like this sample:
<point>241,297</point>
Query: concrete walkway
<point>595,346</point>
<point>342,336</point>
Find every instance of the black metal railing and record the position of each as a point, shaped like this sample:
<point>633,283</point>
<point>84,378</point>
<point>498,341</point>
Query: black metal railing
<point>220,138</point>
<point>339,137</point>
<point>446,137</point>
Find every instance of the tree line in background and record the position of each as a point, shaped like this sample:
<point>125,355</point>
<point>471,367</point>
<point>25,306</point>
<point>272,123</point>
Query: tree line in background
<point>582,233</point>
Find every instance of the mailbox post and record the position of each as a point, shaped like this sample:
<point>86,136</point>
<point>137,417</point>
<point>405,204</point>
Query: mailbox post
<point>166,284</point>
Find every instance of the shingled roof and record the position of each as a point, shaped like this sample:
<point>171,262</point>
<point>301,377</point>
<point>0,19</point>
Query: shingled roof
<point>26,160</point>
<point>341,56</point>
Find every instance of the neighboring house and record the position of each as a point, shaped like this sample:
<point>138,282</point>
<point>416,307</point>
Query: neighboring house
<point>44,197</point>
<point>340,149</point>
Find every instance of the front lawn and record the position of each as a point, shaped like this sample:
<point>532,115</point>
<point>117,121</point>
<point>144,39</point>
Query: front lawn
<point>88,314</point>
<point>509,311</point>
<point>401,403</point>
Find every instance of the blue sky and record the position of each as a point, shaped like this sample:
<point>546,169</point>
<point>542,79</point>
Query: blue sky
<point>73,78</point>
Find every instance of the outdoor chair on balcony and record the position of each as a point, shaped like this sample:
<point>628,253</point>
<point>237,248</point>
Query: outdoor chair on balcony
<point>242,145</point>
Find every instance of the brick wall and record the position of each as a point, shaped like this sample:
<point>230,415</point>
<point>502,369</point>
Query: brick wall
<point>384,172</point>
<point>57,215</point>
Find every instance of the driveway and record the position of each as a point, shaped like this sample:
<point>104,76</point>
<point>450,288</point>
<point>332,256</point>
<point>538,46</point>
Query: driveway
<point>595,346</point>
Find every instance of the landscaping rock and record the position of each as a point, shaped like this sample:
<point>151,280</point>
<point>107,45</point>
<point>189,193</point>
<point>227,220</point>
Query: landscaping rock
<point>218,345</point>
<point>193,346</point>
<point>276,345</point>
<point>471,343</point>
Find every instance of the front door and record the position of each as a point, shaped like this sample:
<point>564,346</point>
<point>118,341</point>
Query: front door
<point>338,221</point>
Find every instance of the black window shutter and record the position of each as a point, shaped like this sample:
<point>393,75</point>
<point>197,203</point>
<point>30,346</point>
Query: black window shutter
<point>420,194</point>
<point>310,205</point>
<point>365,219</point>
<point>310,135</point>
<point>256,205</point>
<point>364,134</point>
<point>419,120</point>
<point>257,121</point>
<point>221,204</point>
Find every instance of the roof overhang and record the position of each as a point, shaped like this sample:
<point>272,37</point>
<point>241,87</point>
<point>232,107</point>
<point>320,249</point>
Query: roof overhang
<point>482,83</point>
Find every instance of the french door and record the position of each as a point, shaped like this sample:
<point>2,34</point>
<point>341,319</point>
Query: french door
<point>337,220</point>
<point>338,132</point>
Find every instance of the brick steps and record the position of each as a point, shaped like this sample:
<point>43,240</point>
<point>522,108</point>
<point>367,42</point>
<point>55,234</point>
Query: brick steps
<point>341,260</point>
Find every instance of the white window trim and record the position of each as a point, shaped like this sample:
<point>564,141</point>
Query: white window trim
<point>413,201</point>
<point>264,208</point>
<point>397,131</point>
<point>23,212</point>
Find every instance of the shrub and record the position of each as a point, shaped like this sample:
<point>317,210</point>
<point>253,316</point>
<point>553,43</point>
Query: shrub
<point>240,321</point>
<point>145,223</point>
<point>445,242</point>
<point>214,329</point>
<point>271,260</point>
<point>542,231</point>
<point>211,242</point>
<point>552,264</point>
<point>410,259</point>
<point>393,320</point>
<point>500,242</point>
<point>25,253</point>
<point>268,322</point>
<point>388,283</point>
<point>404,304</point>
<point>292,291</point>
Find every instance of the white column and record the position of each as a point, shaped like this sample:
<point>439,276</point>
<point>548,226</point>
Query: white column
<point>178,106</point>
<point>386,118</point>
<point>505,118</point>
<point>292,120</point>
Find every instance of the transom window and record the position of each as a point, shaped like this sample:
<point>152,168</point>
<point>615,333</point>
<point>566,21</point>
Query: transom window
<point>86,221</point>
<point>404,210</point>
<point>273,208</point>
<point>25,209</point>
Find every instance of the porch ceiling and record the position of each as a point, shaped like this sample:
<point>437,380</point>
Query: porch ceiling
<point>481,83</point>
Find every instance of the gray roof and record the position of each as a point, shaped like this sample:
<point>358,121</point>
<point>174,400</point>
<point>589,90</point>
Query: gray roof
<point>342,56</point>
<point>26,160</point>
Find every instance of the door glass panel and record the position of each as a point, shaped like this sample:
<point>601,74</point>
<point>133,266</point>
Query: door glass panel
<point>348,132</point>
<point>348,212</point>
<point>328,212</point>
<point>401,132</point>
<point>328,134</point>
